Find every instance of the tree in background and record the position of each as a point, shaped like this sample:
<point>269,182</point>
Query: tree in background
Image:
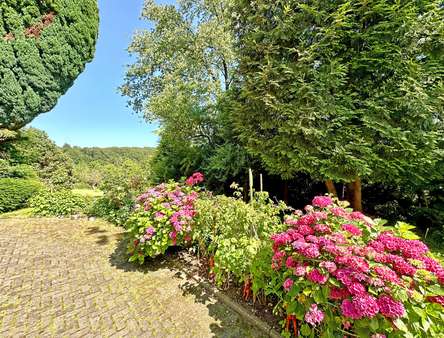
<point>184,67</point>
<point>342,90</point>
<point>44,47</point>
<point>35,153</point>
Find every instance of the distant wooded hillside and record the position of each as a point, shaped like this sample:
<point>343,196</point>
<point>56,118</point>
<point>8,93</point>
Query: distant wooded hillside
<point>111,155</point>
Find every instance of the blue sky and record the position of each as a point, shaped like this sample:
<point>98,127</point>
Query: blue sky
<point>92,112</point>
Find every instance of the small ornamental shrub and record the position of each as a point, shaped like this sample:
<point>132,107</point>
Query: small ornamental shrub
<point>14,193</point>
<point>106,208</point>
<point>344,274</point>
<point>58,203</point>
<point>231,231</point>
<point>164,217</point>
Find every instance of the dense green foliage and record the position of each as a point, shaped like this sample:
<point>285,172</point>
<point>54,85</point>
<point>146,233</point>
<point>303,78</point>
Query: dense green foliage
<point>93,165</point>
<point>120,185</point>
<point>57,203</point>
<point>44,47</point>
<point>14,193</point>
<point>342,89</point>
<point>32,154</point>
<point>233,231</point>
<point>111,155</point>
<point>298,106</point>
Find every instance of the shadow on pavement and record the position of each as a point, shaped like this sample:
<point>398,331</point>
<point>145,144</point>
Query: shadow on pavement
<point>229,323</point>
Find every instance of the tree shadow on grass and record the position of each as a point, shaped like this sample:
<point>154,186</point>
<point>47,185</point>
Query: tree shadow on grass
<point>229,324</point>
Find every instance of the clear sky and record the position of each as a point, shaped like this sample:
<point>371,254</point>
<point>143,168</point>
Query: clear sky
<point>92,112</point>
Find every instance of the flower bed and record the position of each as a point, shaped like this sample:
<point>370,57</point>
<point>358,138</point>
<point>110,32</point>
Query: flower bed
<point>331,272</point>
<point>343,273</point>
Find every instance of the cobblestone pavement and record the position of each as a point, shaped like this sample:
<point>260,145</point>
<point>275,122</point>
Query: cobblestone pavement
<point>70,278</point>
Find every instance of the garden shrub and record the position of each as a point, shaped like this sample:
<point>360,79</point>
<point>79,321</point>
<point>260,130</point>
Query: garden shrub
<point>163,217</point>
<point>14,193</point>
<point>120,186</point>
<point>107,208</point>
<point>344,274</point>
<point>58,203</point>
<point>232,230</point>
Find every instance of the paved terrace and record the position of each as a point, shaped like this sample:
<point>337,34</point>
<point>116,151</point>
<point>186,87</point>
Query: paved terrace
<point>70,278</point>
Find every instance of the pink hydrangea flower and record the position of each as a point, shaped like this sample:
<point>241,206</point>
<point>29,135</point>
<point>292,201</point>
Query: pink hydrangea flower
<point>322,201</point>
<point>436,299</point>
<point>352,229</point>
<point>390,308</point>
<point>288,284</point>
<point>359,307</point>
<point>300,270</point>
<point>150,231</point>
<point>195,179</point>
<point>339,212</point>
<point>387,274</point>
<point>337,293</point>
<point>317,277</point>
<point>356,289</point>
<point>330,266</point>
<point>314,316</point>
<point>159,215</point>
<point>322,228</point>
<point>310,251</point>
<point>290,262</point>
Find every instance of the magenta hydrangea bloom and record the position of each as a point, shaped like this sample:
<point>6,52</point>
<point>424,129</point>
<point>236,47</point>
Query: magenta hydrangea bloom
<point>300,270</point>
<point>288,284</point>
<point>322,201</point>
<point>390,308</point>
<point>314,316</point>
<point>330,266</point>
<point>356,289</point>
<point>387,274</point>
<point>436,299</point>
<point>337,293</point>
<point>195,179</point>
<point>360,306</point>
<point>352,229</point>
<point>317,277</point>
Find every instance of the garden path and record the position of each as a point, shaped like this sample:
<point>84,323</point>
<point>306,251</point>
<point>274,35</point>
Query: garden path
<point>70,278</point>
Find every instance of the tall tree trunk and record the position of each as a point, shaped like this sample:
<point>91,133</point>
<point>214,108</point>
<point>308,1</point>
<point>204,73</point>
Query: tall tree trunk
<point>331,187</point>
<point>286,191</point>
<point>355,194</point>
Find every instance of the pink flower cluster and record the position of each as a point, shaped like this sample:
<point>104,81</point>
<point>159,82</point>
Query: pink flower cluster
<point>314,316</point>
<point>176,207</point>
<point>329,243</point>
<point>194,179</point>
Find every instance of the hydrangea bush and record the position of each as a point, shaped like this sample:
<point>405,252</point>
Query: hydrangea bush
<point>344,274</point>
<point>163,217</point>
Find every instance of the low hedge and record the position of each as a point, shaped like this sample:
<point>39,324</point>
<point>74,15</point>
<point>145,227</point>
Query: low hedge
<point>15,193</point>
<point>58,203</point>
